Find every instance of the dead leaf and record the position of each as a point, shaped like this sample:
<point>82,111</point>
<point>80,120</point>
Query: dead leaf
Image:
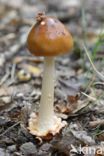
<point>73,99</point>
<point>61,108</point>
<point>72,102</point>
<point>81,135</point>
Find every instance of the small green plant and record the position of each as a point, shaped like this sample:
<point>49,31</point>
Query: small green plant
<point>98,44</point>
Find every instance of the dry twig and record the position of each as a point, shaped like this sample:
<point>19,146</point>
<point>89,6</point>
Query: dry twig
<point>93,66</point>
<point>96,123</point>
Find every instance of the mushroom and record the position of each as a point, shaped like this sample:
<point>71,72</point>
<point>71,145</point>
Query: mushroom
<point>48,37</point>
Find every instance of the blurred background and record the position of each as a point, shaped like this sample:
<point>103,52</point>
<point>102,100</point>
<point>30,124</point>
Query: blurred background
<point>83,18</point>
<point>79,90</point>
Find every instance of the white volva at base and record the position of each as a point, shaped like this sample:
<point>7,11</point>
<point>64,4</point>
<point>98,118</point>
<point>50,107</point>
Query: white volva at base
<point>53,128</point>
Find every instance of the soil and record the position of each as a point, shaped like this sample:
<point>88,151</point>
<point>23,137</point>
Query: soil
<point>79,89</point>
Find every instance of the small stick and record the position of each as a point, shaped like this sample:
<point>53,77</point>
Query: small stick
<point>90,97</point>
<point>7,130</point>
<point>96,123</point>
<point>96,71</point>
<point>4,78</point>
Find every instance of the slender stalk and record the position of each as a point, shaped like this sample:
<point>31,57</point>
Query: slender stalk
<point>46,111</point>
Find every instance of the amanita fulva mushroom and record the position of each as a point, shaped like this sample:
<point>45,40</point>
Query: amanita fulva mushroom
<point>48,38</point>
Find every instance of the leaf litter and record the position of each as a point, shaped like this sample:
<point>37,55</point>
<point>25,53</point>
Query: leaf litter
<point>79,96</point>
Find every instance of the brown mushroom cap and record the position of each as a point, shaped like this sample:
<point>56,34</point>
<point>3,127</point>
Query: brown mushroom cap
<point>49,37</point>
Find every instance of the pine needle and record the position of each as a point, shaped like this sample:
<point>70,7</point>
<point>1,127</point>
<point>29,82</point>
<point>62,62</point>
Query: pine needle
<point>101,77</point>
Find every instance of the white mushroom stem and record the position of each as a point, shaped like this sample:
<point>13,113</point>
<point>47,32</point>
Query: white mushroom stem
<point>46,122</point>
<point>46,111</point>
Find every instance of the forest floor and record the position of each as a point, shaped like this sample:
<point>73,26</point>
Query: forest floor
<point>79,86</point>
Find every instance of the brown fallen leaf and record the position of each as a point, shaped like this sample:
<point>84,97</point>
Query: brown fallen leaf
<point>73,102</point>
<point>73,99</point>
<point>62,108</point>
<point>69,107</point>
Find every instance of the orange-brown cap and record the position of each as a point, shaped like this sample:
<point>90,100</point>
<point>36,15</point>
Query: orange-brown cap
<point>49,37</point>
